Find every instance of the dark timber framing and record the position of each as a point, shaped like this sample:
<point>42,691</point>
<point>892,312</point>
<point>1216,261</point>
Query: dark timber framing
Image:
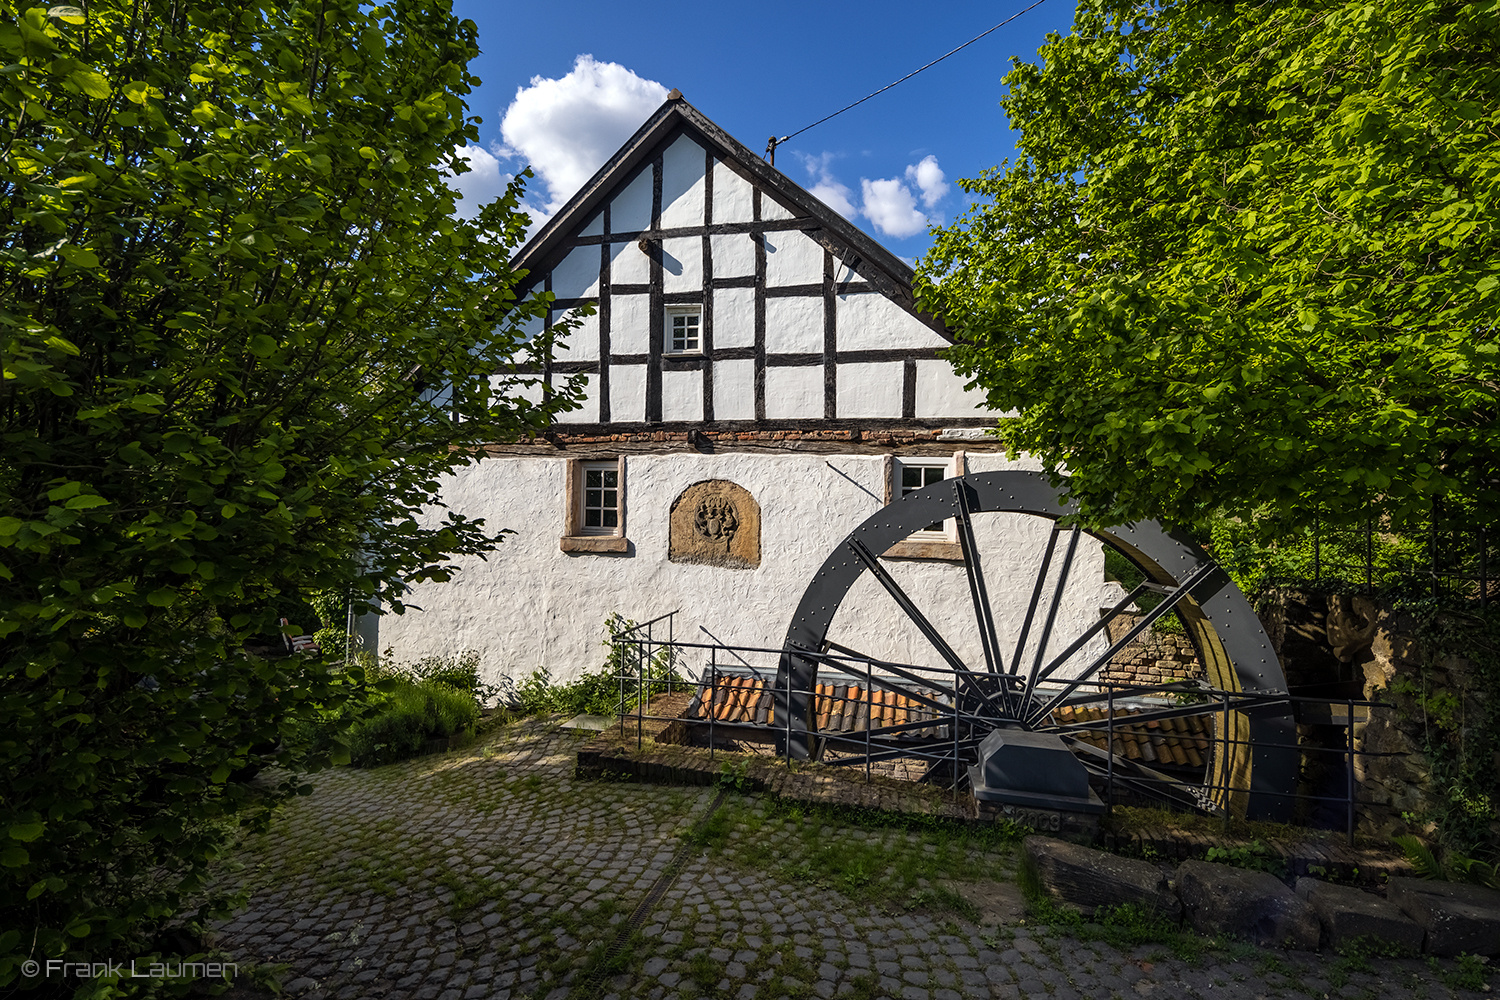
<point>866,268</point>
<point>760,308</point>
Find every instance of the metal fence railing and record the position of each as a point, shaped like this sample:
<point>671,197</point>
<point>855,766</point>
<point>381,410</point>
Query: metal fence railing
<point>1440,558</point>
<point>862,712</point>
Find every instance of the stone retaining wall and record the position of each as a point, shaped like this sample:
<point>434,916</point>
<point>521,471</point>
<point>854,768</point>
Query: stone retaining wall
<point>1154,658</point>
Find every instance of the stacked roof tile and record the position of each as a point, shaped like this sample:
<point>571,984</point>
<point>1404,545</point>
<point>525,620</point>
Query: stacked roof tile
<point>838,708</point>
<point>1179,742</point>
<point>847,708</point>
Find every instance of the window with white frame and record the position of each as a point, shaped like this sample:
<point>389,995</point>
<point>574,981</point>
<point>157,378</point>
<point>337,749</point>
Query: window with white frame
<point>599,499</point>
<point>684,329</point>
<point>596,507</point>
<point>912,474</point>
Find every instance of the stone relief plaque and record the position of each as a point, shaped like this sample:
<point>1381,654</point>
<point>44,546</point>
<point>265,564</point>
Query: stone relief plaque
<point>715,523</point>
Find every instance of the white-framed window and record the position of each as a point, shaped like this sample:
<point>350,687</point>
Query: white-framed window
<point>917,472</point>
<point>684,329</point>
<point>599,499</point>
<point>596,507</point>
<point>916,475</point>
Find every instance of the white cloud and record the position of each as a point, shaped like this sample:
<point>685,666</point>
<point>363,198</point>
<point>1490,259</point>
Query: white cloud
<point>891,207</point>
<point>566,128</point>
<point>826,188</point>
<point>483,183</point>
<point>890,204</point>
<point>928,177</point>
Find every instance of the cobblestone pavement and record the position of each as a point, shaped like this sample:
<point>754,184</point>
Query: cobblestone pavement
<point>493,873</point>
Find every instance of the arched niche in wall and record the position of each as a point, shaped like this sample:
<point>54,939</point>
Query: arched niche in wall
<point>715,523</point>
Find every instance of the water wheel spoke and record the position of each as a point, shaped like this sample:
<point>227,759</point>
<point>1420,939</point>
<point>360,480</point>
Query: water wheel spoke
<point>1093,630</point>
<point>896,752</point>
<point>983,615</point>
<point>928,630</point>
<point>1052,606</point>
<point>1138,776</point>
<point>1036,596</point>
<point>1141,717</point>
<point>923,693</point>
<point>1147,620</point>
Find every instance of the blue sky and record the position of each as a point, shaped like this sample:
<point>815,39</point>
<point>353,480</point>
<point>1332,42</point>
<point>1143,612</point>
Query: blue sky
<point>565,85</point>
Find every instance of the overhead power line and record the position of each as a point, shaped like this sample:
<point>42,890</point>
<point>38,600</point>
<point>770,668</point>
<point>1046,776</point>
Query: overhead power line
<point>774,142</point>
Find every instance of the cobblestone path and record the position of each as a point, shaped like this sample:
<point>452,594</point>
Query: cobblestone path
<point>492,873</point>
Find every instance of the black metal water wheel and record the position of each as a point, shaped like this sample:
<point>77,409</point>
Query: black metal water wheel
<point>1251,767</point>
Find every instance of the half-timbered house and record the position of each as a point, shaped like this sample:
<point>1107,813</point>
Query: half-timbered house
<point>759,382</point>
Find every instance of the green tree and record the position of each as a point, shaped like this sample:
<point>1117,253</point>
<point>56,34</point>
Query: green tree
<point>1246,261</point>
<point>233,298</point>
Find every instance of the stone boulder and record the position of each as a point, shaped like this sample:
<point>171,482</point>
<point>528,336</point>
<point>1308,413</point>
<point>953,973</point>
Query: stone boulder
<point>1218,899</point>
<point>1457,917</point>
<point>1348,914</point>
<point>1087,879</point>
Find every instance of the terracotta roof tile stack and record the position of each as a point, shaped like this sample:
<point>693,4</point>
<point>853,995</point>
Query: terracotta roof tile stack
<point>1179,742</point>
<point>846,708</point>
<point>838,708</point>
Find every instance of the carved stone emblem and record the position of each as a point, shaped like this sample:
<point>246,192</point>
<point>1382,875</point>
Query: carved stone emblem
<point>715,523</point>
<point>715,519</point>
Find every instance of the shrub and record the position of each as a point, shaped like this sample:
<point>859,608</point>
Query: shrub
<point>413,713</point>
<point>599,693</point>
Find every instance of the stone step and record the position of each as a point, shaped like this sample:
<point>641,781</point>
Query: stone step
<point>1348,914</point>
<point>1456,917</point>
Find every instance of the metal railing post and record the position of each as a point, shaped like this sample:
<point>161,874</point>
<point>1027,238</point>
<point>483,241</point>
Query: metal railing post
<point>788,719</point>
<point>1109,781</point>
<point>955,733</point>
<point>1350,720</point>
<point>1224,761</point>
<point>869,712</point>
<point>713,700</point>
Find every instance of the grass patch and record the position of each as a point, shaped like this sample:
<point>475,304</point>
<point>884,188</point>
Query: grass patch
<point>1155,821</point>
<point>1467,973</point>
<point>705,971</point>
<point>897,864</point>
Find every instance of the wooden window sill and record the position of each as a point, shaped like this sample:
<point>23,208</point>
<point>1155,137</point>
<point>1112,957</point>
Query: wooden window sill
<point>594,543</point>
<point>946,551</point>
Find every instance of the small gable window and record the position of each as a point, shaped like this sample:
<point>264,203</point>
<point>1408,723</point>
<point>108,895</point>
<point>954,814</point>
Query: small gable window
<point>684,325</point>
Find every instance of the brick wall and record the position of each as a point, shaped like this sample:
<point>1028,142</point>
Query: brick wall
<point>1154,658</point>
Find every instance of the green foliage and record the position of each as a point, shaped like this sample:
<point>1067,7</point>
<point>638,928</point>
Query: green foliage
<point>600,692</point>
<point>1246,261</point>
<point>460,672</point>
<point>734,776</point>
<point>1453,867</point>
<point>411,705</point>
<point>1454,715</point>
<point>233,303</point>
<point>1469,973</point>
<point>1330,559</point>
<point>407,718</point>
<point>1255,856</point>
<point>332,636</point>
<point>1119,568</point>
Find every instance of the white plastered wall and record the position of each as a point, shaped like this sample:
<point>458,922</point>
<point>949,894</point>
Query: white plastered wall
<point>531,604</point>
